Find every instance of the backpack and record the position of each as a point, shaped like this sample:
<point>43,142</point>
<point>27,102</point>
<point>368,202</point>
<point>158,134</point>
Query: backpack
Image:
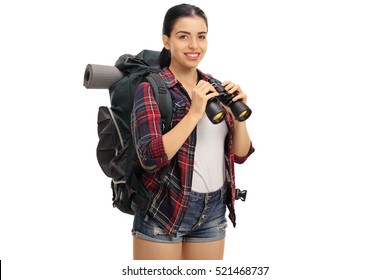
<point>115,151</point>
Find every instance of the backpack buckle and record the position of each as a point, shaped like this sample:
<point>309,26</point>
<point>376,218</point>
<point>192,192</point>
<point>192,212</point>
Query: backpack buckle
<point>241,194</point>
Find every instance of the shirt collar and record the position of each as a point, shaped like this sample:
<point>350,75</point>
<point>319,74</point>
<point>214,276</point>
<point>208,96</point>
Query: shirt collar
<point>170,80</point>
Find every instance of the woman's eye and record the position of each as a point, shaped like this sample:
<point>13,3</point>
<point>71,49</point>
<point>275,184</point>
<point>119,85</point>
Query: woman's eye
<point>202,37</point>
<point>183,37</point>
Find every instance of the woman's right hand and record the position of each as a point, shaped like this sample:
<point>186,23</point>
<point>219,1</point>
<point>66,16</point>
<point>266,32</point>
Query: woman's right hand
<point>175,138</point>
<point>200,94</point>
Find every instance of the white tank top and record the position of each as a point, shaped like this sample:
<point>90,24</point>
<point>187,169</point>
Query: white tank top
<point>209,162</point>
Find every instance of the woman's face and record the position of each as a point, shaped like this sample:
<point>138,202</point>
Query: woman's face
<point>187,42</point>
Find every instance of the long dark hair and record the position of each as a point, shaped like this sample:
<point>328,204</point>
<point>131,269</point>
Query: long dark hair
<point>172,15</point>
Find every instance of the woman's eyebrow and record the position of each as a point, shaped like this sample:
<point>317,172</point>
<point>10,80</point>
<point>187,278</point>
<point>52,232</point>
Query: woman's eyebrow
<point>189,33</point>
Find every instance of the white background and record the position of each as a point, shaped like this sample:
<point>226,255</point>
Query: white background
<point>317,77</point>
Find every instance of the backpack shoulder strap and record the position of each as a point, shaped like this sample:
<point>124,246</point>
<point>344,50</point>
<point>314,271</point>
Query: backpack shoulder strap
<point>163,99</point>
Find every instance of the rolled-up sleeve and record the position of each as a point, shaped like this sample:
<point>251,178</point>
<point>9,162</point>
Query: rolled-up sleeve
<point>240,160</point>
<point>146,129</point>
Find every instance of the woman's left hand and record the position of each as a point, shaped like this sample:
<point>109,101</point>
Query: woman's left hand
<point>231,87</point>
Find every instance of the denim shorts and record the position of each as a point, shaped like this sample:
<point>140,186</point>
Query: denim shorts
<point>203,221</point>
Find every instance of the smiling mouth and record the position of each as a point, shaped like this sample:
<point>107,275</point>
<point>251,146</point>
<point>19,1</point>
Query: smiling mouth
<point>193,56</point>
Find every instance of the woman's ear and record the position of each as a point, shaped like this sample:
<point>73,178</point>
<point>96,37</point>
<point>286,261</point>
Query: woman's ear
<point>165,40</point>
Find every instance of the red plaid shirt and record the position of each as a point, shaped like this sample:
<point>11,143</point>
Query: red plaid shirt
<point>170,195</point>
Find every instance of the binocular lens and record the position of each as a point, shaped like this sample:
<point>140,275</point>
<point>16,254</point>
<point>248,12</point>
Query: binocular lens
<point>214,112</point>
<point>219,117</point>
<point>244,115</point>
<point>240,111</point>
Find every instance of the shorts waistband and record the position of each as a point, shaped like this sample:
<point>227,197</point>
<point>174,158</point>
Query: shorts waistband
<point>218,194</point>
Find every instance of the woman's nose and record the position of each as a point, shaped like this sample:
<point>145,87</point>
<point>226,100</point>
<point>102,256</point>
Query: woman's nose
<point>193,43</point>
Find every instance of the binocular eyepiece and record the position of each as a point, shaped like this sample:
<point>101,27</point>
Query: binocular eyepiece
<point>216,113</point>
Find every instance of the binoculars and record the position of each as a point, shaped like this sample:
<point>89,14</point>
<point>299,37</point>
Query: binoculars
<point>216,113</point>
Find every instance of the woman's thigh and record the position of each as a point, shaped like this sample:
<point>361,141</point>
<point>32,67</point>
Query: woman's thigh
<point>213,250</point>
<point>149,250</point>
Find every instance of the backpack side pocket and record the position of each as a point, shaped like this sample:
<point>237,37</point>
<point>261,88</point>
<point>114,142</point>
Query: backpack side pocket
<point>110,140</point>
<point>141,199</point>
<point>122,197</point>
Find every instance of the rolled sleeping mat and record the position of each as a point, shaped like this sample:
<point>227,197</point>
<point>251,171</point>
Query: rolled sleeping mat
<point>101,76</point>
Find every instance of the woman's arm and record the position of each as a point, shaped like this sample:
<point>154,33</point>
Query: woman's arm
<point>154,149</point>
<point>176,137</point>
<point>241,140</point>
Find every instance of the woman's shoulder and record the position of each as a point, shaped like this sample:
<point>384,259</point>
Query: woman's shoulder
<point>143,91</point>
<point>142,86</point>
<point>204,76</point>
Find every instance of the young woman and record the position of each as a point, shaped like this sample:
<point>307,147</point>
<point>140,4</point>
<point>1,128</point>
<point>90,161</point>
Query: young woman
<point>186,219</point>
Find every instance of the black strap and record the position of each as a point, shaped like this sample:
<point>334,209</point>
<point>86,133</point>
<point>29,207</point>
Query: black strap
<point>163,99</point>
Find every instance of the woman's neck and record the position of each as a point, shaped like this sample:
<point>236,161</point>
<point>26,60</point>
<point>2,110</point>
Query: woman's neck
<point>187,77</point>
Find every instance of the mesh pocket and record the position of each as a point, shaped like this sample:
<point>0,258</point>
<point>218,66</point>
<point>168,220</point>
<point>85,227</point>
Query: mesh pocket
<point>110,144</point>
